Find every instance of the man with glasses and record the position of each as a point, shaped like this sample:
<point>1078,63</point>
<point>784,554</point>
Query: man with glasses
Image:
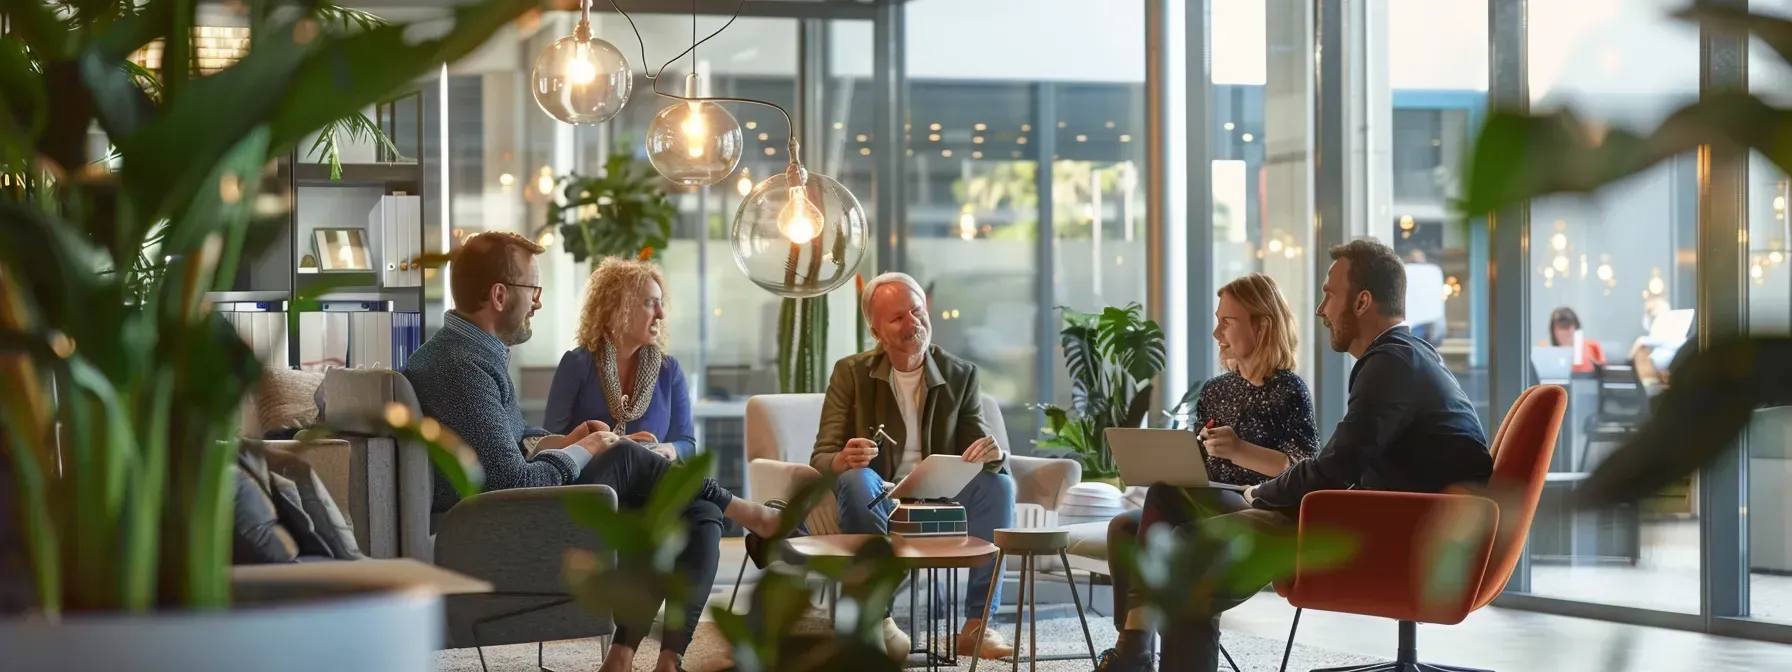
<point>462,379</point>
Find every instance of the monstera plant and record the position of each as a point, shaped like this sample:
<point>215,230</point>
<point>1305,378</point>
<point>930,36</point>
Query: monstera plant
<point>1111,357</point>
<point>1714,392</point>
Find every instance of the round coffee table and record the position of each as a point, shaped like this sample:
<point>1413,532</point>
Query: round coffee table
<point>917,553</point>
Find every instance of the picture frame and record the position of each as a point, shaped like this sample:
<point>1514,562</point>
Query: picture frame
<point>341,251</point>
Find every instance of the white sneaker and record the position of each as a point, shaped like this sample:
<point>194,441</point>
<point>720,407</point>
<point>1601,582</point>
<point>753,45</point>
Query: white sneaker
<point>896,642</point>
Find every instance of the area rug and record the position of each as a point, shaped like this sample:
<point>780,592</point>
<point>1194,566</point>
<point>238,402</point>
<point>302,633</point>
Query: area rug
<point>1059,633</point>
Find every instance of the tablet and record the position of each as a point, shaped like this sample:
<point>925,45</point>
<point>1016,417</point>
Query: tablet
<point>937,477</point>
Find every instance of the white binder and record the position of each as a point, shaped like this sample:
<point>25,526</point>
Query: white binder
<point>396,223</point>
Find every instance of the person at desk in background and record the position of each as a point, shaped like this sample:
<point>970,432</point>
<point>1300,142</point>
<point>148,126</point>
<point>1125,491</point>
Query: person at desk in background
<point>1407,427</point>
<point>462,379</point>
<point>1257,418</point>
<point>620,372</point>
<point>1565,332</point>
<point>929,403</point>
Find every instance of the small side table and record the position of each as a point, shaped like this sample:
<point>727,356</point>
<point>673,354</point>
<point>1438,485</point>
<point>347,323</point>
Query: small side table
<point>933,554</point>
<point>1030,544</point>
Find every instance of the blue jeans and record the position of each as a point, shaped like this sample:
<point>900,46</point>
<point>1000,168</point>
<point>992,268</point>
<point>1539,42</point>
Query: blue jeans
<point>988,505</point>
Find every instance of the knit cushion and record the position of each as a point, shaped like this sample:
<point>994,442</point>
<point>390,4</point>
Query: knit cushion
<point>1090,502</point>
<point>286,399</point>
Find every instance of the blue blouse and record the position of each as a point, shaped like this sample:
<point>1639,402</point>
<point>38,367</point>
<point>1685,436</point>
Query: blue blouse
<point>577,395</point>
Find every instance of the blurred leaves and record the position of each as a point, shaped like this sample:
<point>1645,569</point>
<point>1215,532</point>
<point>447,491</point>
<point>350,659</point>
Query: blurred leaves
<point>621,213</point>
<point>646,544</point>
<point>1714,393</point>
<point>1519,156</point>
<point>106,274</point>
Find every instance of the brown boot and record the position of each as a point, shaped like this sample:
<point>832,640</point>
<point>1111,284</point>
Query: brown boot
<point>993,644</point>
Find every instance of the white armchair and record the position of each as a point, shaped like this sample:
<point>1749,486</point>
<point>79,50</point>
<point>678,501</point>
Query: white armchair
<point>781,429</point>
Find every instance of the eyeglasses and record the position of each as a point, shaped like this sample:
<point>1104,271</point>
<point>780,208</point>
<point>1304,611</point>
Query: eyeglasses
<point>536,288</point>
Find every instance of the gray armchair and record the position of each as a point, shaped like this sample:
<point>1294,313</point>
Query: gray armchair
<point>517,539</point>
<point>514,539</point>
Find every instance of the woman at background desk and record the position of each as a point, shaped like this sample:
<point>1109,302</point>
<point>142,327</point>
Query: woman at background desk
<point>620,372</point>
<point>1565,332</point>
<point>1256,419</point>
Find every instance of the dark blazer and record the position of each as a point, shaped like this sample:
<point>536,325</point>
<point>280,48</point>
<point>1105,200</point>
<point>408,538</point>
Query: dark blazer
<point>860,396</point>
<point>1408,427</point>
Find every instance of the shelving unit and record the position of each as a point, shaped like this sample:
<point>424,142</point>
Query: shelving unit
<point>276,282</point>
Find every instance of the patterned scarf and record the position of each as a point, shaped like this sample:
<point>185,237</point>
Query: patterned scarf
<point>625,409</point>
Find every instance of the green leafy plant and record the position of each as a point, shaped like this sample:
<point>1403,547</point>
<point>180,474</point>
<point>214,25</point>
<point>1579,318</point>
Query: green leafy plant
<point>1519,156</point>
<point>623,212</point>
<point>1111,357</point>
<point>147,380</point>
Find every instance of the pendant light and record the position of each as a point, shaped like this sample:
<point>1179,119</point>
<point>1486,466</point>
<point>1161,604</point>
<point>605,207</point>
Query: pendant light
<point>694,142</point>
<point>797,234</point>
<point>580,79</point>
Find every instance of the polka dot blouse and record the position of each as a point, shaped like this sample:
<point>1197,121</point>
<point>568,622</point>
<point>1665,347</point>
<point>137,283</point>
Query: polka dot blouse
<point>1277,416</point>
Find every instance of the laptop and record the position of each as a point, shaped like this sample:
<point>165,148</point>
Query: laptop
<point>1147,457</point>
<point>1553,363</point>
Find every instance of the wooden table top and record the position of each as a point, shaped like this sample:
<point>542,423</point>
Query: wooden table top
<point>952,552</point>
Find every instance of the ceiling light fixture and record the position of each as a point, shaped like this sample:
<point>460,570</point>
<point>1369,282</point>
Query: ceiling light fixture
<point>580,79</point>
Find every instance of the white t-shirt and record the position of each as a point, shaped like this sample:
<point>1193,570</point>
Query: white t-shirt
<point>911,395</point>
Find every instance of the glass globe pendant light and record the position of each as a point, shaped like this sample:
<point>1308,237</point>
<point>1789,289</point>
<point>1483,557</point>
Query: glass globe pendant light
<point>579,79</point>
<point>799,234</point>
<point>694,142</point>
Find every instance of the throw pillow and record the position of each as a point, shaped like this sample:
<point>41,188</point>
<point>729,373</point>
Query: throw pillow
<point>257,536</point>
<point>327,521</point>
<point>286,399</point>
<point>291,509</point>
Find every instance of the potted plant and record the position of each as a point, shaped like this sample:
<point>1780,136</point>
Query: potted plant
<point>1111,357</point>
<point>121,388</point>
<point>1519,155</point>
<point>622,212</point>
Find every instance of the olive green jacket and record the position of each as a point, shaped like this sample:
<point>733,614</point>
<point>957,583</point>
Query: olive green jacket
<point>861,396</point>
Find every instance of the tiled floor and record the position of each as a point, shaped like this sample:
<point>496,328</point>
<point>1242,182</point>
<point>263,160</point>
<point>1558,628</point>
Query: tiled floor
<point>1520,641</point>
<point>1666,578</point>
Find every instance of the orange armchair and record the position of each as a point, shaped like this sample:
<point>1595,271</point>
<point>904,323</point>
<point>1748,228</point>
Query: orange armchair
<point>1430,558</point>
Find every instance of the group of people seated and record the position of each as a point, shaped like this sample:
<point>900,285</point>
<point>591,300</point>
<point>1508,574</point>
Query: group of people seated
<point>619,415</point>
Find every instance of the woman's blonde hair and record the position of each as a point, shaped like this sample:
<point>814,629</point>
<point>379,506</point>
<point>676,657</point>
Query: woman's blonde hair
<point>616,287</point>
<point>1274,321</point>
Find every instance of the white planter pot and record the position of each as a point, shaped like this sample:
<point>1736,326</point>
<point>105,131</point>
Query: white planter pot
<point>395,631</point>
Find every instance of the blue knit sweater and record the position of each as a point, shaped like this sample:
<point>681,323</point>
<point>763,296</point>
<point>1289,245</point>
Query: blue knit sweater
<point>462,379</point>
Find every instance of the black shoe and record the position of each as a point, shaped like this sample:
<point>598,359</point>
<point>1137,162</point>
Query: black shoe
<point>1112,661</point>
<point>757,546</point>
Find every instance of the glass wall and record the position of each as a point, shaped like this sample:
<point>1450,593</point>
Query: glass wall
<point>1623,262</point>
<point>1024,181</point>
<point>1436,74</point>
<point>1769,461</point>
<point>1026,154</point>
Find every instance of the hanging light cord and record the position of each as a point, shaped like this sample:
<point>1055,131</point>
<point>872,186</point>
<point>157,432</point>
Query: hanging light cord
<point>654,79</point>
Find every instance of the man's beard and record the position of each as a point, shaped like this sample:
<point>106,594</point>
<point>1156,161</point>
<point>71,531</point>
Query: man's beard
<point>514,330</point>
<point>1343,332</point>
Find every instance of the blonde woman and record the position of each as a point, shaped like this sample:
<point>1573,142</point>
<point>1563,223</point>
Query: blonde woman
<point>1255,420</point>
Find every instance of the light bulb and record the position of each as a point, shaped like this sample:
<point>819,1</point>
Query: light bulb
<point>798,234</point>
<point>1559,241</point>
<point>580,69</point>
<point>745,185</point>
<point>797,221</point>
<point>694,143</point>
<point>580,79</point>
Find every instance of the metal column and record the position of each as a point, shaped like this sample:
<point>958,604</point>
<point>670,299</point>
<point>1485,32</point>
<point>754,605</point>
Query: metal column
<point>890,93</point>
<point>1722,313</point>
<point>1045,320</point>
<point>1508,296</point>
<point>1331,370</point>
